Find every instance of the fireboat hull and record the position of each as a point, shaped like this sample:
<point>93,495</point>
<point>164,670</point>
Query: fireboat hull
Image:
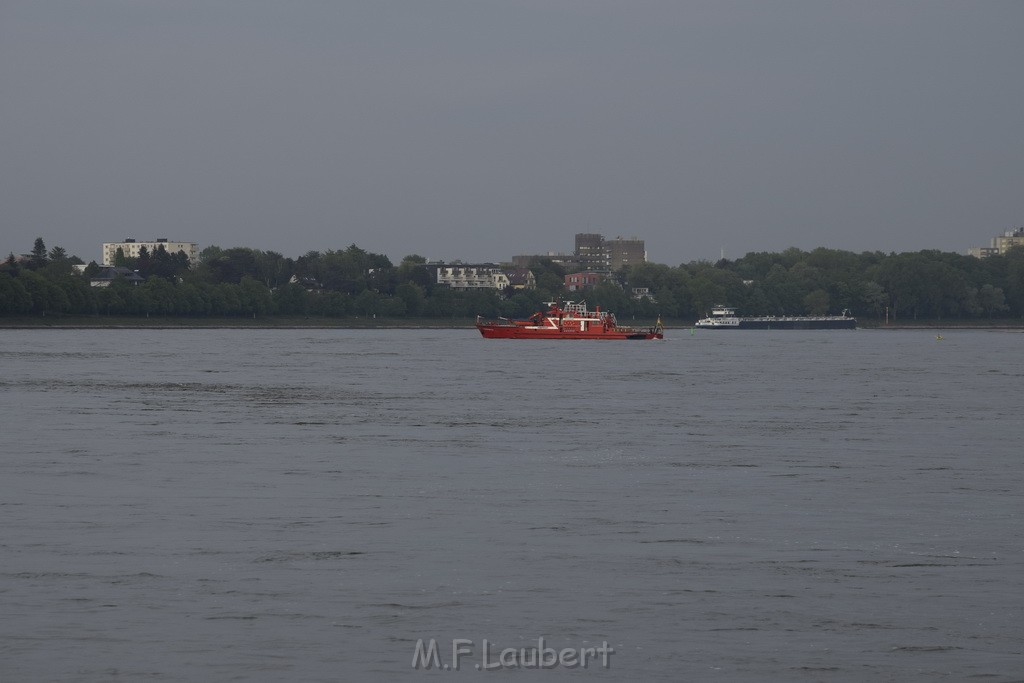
<point>518,332</point>
<point>565,321</point>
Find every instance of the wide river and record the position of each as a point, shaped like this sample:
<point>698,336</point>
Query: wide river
<point>316,505</point>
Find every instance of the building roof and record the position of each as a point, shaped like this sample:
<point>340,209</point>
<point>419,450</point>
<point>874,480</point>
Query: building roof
<point>114,272</point>
<point>519,276</point>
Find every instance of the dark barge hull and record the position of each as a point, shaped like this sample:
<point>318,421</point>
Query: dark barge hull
<point>792,324</point>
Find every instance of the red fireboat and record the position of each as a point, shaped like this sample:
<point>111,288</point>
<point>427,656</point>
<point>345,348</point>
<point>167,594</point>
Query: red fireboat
<point>565,321</point>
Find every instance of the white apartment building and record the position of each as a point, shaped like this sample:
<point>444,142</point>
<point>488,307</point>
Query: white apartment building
<point>482,276</point>
<point>131,248</point>
<point>460,276</point>
<point>1000,244</point>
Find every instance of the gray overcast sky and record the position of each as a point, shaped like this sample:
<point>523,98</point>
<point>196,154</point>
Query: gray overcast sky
<point>481,129</point>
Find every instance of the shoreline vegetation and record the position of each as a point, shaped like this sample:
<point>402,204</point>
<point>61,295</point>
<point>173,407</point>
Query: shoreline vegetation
<point>72,322</point>
<point>353,288</point>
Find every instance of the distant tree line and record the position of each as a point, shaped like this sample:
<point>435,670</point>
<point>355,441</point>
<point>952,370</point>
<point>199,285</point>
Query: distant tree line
<point>353,282</point>
<point>925,284</point>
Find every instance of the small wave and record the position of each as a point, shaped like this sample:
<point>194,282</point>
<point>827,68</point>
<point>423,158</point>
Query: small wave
<point>314,555</point>
<point>399,605</point>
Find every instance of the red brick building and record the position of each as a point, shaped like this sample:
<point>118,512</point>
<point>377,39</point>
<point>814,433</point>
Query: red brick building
<point>576,282</point>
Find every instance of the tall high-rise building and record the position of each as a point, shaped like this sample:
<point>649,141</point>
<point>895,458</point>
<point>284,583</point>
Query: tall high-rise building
<point>595,253</point>
<point>590,252</point>
<point>625,252</point>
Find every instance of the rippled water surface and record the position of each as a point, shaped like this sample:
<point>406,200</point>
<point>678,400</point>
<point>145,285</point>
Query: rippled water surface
<point>307,504</point>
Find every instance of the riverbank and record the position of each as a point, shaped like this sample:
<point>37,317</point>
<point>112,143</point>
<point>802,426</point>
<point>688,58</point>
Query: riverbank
<point>990,324</point>
<point>314,323</point>
<point>266,322</point>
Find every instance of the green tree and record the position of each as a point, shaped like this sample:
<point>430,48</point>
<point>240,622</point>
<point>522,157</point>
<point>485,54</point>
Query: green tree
<point>80,296</point>
<point>254,297</point>
<point>210,253</point>
<point>39,255</point>
<point>550,278</point>
<point>14,298</point>
<point>58,263</point>
<point>230,265</point>
<point>47,297</point>
<point>706,294</point>
<point>757,302</point>
<point>366,303</point>
<point>1013,280</point>
<point>109,301</point>
<point>188,300</point>
<point>59,254</point>
<point>991,300</point>
<point>220,301</point>
<point>331,304</point>
<point>392,307</point>
<point>872,298</point>
<point>273,269</point>
<point>290,299</point>
<point>485,302</point>
<point>610,297</point>
<point>414,269</point>
<point>161,263</point>
<point>229,297</point>
<point>412,295</point>
<point>816,303</point>
<point>161,295</point>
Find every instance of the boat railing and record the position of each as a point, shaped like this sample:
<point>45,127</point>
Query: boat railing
<point>500,322</point>
<point>769,318</point>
